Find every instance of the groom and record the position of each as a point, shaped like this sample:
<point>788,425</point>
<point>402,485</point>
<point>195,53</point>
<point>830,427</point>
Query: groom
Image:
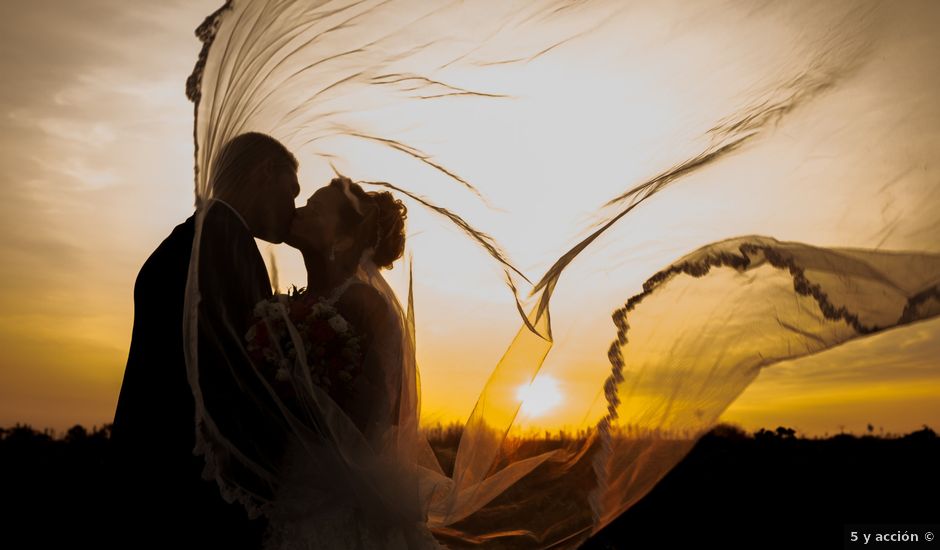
<point>161,498</point>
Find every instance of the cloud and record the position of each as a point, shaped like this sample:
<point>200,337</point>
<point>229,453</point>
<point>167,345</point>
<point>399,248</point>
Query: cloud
<point>96,150</point>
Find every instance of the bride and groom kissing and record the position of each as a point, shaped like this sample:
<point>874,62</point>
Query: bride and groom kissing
<point>165,493</point>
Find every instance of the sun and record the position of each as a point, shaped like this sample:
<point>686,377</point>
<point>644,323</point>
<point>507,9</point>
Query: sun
<point>539,396</point>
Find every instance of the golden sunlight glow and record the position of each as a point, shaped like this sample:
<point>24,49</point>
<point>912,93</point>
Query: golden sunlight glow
<point>98,155</point>
<point>540,396</point>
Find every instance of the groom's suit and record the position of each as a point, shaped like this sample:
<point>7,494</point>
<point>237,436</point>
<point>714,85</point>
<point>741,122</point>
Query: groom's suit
<point>161,497</point>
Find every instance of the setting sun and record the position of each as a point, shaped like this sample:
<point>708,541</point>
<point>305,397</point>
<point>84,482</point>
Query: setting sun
<point>539,397</point>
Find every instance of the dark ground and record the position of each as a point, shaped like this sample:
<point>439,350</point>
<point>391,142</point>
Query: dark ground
<point>733,490</point>
<point>779,491</point>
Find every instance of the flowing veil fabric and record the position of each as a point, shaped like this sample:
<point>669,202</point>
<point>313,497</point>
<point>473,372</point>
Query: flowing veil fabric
<point>343,83</point>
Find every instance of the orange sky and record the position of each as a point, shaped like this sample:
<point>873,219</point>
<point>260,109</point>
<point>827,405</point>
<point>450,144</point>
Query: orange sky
<point>96,150</point>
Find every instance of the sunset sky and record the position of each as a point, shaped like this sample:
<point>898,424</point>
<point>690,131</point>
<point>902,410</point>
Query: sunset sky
<point>97,168</point>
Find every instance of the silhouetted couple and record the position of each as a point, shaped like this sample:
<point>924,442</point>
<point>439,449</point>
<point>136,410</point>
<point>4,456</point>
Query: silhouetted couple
<point>209,372</point>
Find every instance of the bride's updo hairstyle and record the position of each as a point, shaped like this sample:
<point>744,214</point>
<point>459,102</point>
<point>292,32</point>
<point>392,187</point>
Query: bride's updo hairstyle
<point>381,224</point>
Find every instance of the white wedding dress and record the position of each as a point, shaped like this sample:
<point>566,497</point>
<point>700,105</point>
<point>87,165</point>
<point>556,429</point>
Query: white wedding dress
<point>318,504</point>
<point>304,517</point>
<point>704,297</point>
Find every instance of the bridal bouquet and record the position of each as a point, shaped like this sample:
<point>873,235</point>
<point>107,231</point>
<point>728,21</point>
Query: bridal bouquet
<point>331,345</point>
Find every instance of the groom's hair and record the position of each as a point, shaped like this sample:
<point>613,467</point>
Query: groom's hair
<point>243,153</point>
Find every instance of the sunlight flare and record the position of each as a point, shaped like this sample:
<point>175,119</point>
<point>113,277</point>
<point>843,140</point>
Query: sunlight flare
<point>539,396</point>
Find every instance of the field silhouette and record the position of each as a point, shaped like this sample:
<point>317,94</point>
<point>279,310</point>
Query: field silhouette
<point>770,488</point>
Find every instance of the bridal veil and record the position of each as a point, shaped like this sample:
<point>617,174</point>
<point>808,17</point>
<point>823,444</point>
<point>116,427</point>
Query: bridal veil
<point>658,202</point>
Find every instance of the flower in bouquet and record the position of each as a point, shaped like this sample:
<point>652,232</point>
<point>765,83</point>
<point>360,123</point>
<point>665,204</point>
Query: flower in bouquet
<point>331,345</point>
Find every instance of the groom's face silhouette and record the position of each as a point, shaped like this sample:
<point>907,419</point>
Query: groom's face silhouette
<point>277,186</point>
<point>257,176</point>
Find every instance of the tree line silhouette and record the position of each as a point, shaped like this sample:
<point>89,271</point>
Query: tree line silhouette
<point>734,489</point>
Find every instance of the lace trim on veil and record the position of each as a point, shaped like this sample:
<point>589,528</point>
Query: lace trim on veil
<point>749,248</point>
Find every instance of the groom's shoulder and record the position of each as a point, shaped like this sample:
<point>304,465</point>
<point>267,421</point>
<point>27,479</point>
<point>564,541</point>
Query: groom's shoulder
<point>174,250</point>
<point>180,238</point>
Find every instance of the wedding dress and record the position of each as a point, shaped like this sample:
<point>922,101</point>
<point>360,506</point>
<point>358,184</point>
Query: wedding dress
<point>354,84</point>
<point>318,504</point>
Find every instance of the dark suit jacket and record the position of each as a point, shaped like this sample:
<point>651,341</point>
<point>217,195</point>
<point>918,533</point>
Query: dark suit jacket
<point>160,497</point>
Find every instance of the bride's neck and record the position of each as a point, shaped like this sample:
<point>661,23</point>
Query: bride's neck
<point>324,275</point>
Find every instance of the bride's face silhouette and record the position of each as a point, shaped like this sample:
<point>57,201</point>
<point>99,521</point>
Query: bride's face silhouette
<point>317,225</point>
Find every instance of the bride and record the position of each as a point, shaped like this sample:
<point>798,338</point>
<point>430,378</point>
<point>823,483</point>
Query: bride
<point>341,230</point>
<point>337,358</point>
<point>345,236</point>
